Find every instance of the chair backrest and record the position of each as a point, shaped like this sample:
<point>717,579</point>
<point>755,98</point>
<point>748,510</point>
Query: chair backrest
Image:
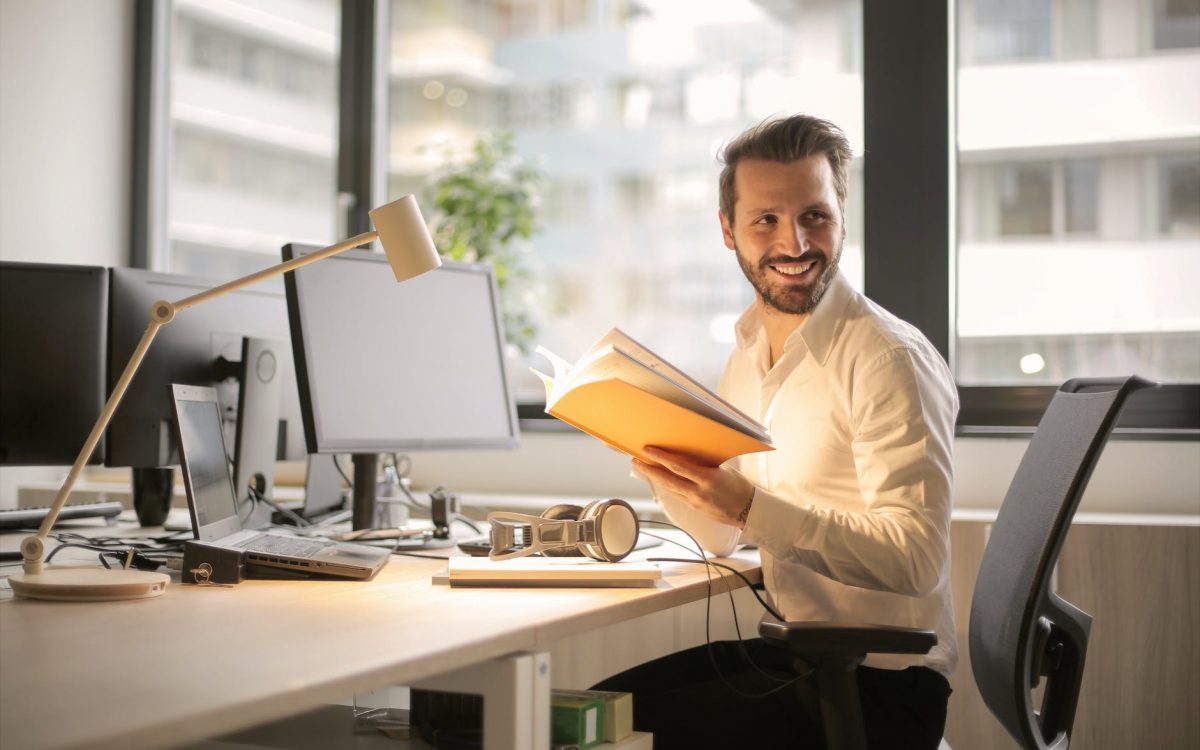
<point>1020,631</point>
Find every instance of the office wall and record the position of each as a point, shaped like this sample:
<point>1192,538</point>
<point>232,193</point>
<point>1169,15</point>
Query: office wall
<point>65,123</point>
<point>65,117</point>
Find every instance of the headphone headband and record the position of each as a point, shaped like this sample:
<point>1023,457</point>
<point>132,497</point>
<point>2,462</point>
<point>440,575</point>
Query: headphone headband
<point>605,530</point>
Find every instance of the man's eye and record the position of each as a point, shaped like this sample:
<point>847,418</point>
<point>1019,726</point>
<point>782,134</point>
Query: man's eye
<point>815,216</point>
<point>767,219</point>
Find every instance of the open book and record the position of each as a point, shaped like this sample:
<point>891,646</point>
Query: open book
<point>624,394</point>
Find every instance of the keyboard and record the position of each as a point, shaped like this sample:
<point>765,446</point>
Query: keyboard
<point>283,545</point>
<point>31,518</point>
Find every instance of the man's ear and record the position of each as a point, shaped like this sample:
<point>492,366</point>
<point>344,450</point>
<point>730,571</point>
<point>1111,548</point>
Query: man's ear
<point>727,231</point>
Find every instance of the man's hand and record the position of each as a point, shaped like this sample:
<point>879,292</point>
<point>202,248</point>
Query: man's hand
<point>721,494</point>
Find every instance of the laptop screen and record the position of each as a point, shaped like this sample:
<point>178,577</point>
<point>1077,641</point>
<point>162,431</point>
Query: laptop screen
<point>205,466</point>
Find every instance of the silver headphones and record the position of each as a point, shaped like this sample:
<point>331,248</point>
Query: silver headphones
<point>604,530</point>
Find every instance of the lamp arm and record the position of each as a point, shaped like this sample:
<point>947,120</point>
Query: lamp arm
<point>33,547</point>
<point>277,270</point>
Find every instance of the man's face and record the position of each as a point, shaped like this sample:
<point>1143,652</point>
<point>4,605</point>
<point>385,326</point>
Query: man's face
<point>787,230</point>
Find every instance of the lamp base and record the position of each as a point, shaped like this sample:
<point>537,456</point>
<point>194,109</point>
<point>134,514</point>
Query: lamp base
<point>88,584</point>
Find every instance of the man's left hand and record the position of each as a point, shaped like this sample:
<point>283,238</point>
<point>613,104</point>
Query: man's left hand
<point>719,493</point>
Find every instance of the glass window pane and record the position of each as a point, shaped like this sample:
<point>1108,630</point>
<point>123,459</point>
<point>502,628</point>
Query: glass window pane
<point>1079,215</point>
<point>621,108</point>
<point>1179,195</point>
<point>1008,29</point>
<point>253,132</point>
<point>1176,24</point>
<point>1081,187</point>
<point>1026,202</point>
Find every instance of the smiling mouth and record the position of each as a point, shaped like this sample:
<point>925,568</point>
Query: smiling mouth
<point>793,269</point>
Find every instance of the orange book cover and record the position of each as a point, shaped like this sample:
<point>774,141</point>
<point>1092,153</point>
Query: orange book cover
<point>628,397</point>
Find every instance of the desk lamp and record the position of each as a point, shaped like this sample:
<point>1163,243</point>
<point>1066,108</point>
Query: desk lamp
<point>410,252</point>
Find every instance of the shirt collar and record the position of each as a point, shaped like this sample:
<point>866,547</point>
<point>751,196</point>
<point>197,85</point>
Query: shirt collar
<point>818,332</point>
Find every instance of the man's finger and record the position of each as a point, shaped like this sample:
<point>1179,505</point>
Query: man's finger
<point>675,462</point>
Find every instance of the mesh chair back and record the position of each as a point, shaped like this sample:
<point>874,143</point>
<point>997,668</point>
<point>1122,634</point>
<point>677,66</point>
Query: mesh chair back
<point>1020,631</point>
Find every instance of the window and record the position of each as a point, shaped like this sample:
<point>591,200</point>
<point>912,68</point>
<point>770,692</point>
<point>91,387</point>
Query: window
<point>253,121</point>
<point>1005,30</point>
<point>1077,250</point>
<point>1077,224</point>
<point>1179,195</point>
<point>1176,24</point>
<point>623,107</point>
<point>1026,199</point>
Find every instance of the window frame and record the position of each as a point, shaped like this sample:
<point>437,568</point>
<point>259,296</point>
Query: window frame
<point>909,72</point>
<point>910,195</point>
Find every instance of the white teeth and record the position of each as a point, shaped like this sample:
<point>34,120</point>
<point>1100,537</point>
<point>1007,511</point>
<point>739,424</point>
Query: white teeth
<point>794,269</point>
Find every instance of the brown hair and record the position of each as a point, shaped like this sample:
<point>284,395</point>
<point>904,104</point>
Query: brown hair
<point>785,140</point>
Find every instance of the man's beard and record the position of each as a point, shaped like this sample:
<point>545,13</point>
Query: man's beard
<point>791,299</point>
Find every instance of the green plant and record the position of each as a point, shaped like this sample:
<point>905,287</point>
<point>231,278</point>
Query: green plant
<point>483,209</point>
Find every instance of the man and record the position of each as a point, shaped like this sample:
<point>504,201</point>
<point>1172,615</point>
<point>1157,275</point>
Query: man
<point>851,512</point>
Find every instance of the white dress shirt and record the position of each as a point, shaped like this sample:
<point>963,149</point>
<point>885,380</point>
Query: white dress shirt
<point>851,510</point>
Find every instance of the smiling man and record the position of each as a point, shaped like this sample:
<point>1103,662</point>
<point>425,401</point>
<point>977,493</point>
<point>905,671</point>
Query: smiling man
<point>851,512</point>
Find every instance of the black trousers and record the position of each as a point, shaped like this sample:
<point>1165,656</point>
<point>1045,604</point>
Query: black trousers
<point>683,700</point>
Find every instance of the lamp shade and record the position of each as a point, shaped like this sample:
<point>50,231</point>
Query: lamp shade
<point>405,238</point>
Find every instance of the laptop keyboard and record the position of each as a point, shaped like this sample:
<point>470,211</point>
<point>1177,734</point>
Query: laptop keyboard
<point>283,545</point>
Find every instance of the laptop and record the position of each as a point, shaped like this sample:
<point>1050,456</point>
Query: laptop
<point>213,504</point>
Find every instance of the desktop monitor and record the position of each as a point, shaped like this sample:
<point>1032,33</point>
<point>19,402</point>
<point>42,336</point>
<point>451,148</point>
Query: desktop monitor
<point>202,346</point>
<point>384,367</point>
<point>53,335</point>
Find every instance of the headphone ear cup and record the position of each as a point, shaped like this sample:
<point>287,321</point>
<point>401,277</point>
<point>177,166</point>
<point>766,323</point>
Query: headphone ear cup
<point>563,512</point>
<point>616,527</point>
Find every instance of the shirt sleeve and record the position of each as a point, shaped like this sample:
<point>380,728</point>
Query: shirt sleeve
<point>902,412</point>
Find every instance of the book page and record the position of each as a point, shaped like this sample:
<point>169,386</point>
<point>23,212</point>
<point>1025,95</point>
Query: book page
<point>558,383</point>
<point>620,340</point>
<point>617,364</point>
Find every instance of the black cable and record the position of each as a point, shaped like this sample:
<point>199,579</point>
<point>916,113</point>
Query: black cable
<point>141,544</point>
<point>765,605</point>
<point>398,461</point>
<point>406,553</point>
<point>708,566</point>
<point>463,519</point>
<point>261,498</point>
<point>341,471</point>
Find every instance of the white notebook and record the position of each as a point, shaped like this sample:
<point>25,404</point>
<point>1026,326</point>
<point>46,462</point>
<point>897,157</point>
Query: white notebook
<point>550,572</point>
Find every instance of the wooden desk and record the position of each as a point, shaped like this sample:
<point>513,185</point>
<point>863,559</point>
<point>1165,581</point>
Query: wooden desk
<point>202,661</point>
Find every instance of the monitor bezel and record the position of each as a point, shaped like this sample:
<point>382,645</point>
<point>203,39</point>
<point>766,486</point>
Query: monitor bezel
<point>317,443</point>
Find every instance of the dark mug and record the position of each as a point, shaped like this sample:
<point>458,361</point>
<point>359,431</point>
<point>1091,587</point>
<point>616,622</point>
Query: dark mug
<point>152,492</point>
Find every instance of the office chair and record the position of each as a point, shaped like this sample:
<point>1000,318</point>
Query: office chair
<point>1020,631</point>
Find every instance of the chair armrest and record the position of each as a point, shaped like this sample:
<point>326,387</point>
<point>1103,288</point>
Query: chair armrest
<point>845,638</point>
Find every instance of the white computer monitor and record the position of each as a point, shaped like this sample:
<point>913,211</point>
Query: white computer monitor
<point>383,367</point>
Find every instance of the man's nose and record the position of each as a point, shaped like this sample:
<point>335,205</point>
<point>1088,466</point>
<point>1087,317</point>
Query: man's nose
<point>795,240</point>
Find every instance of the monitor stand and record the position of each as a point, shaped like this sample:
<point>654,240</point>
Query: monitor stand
<point>362,506</point>
<point>256,442</point>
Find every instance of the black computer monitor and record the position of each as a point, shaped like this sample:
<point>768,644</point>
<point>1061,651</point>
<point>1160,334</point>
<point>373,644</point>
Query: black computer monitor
<point>53,335</point>
<point>201,346</point>
<point>384,367</point>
